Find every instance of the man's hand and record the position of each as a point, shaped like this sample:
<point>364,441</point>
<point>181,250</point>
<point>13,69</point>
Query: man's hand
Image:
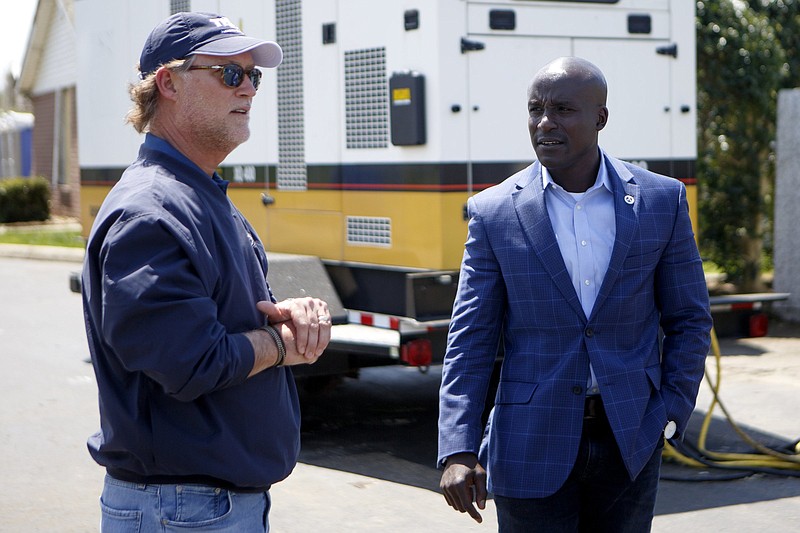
<point>464,482</point>
<point>310,323</point>
<point>304,325</point>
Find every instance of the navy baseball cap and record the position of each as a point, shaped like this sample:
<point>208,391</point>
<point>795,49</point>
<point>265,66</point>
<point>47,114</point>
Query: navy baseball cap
<point>184,34</point>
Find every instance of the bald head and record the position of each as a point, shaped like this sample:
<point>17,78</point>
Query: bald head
<point>576,70</point>
<point>566,111</point>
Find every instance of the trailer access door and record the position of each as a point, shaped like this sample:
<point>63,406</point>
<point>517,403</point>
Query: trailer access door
<point>511,40</point>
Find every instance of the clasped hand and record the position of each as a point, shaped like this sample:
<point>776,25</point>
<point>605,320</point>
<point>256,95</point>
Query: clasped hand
<point>304,325</point>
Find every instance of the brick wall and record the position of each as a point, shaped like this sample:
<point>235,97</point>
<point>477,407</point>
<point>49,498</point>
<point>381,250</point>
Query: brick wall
<point>65,196</point>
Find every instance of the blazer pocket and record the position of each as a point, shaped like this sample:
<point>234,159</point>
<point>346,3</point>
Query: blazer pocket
<point>654,373</point>
<point>515,392</point>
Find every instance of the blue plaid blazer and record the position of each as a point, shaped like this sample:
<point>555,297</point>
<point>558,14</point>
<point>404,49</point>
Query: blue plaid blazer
<point>514,284</point>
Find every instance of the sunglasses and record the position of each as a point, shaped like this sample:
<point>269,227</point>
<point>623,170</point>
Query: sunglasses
<point>233,75</point>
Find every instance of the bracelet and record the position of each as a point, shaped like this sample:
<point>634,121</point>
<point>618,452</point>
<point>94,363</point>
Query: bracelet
<point>278,342</point>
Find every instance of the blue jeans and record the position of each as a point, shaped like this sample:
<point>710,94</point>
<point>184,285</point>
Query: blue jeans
<point>132,508</point>
<point>597,497</point>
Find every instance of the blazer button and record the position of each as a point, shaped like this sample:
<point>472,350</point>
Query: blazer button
<point>577,390</point>
<point>589,332</point>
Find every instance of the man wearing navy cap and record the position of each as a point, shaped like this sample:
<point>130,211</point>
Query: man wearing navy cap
<point>198,411</point>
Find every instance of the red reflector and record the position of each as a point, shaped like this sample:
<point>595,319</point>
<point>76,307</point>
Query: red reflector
<point>394,323</point>
<point>758,325</point>
<point>366,320</point>
<point>417,352</point>
<point>742,306</point>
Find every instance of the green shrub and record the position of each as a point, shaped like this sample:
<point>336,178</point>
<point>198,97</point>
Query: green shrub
<point>24,199</point>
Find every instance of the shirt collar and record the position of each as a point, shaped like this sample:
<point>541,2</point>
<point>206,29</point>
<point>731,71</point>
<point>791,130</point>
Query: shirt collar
<point>154,142</point>
<point>602,179</point>
<point>221,183</point>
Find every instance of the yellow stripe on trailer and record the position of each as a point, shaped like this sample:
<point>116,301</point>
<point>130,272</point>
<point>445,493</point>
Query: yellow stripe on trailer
<point>410,229</point>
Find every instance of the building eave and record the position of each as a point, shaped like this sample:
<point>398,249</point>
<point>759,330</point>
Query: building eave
<point>37,40</point>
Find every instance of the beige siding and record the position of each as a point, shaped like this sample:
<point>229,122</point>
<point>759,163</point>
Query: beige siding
<point>58,66</point>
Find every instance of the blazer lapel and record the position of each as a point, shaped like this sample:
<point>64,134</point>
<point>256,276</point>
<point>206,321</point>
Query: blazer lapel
<point>532,214</point>
<point>626,207</point>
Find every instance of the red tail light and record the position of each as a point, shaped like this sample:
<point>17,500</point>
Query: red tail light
<point>759,325</point>
<point>417,352</point>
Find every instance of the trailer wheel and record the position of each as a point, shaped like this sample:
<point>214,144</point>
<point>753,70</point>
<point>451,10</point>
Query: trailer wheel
<point>318,385</point>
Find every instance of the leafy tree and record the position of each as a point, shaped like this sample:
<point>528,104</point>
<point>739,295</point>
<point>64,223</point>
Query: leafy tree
<point>784,15</point>
<point>741,66</point>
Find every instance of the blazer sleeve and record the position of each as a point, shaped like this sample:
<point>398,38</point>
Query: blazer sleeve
<point>473,340</point>
<point>685,318</point>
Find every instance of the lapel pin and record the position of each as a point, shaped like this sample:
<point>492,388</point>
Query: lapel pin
<point>629,199</point>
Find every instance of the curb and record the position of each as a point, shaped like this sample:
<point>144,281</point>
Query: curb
<point>48,253</point>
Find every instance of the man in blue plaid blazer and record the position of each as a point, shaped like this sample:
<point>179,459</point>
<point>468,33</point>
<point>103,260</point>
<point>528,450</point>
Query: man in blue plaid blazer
<point>585,269</point>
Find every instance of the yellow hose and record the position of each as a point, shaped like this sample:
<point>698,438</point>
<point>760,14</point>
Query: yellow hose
<point>765,458</point>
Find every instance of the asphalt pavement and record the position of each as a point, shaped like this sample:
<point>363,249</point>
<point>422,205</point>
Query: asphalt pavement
<point>359,471</point>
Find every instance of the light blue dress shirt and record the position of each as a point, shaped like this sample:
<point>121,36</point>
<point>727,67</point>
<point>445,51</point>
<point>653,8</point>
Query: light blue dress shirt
<point>585,228</point>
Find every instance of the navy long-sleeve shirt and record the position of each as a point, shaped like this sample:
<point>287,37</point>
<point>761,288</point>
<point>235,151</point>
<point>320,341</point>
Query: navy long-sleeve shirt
<point>172,275</point>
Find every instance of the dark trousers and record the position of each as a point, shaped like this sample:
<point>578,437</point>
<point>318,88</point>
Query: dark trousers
<point>598,495</point>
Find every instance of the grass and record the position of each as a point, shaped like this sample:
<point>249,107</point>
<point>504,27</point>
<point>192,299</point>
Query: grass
<point>73,239</point>
<point>70,239</point>
<point>709,267</point>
